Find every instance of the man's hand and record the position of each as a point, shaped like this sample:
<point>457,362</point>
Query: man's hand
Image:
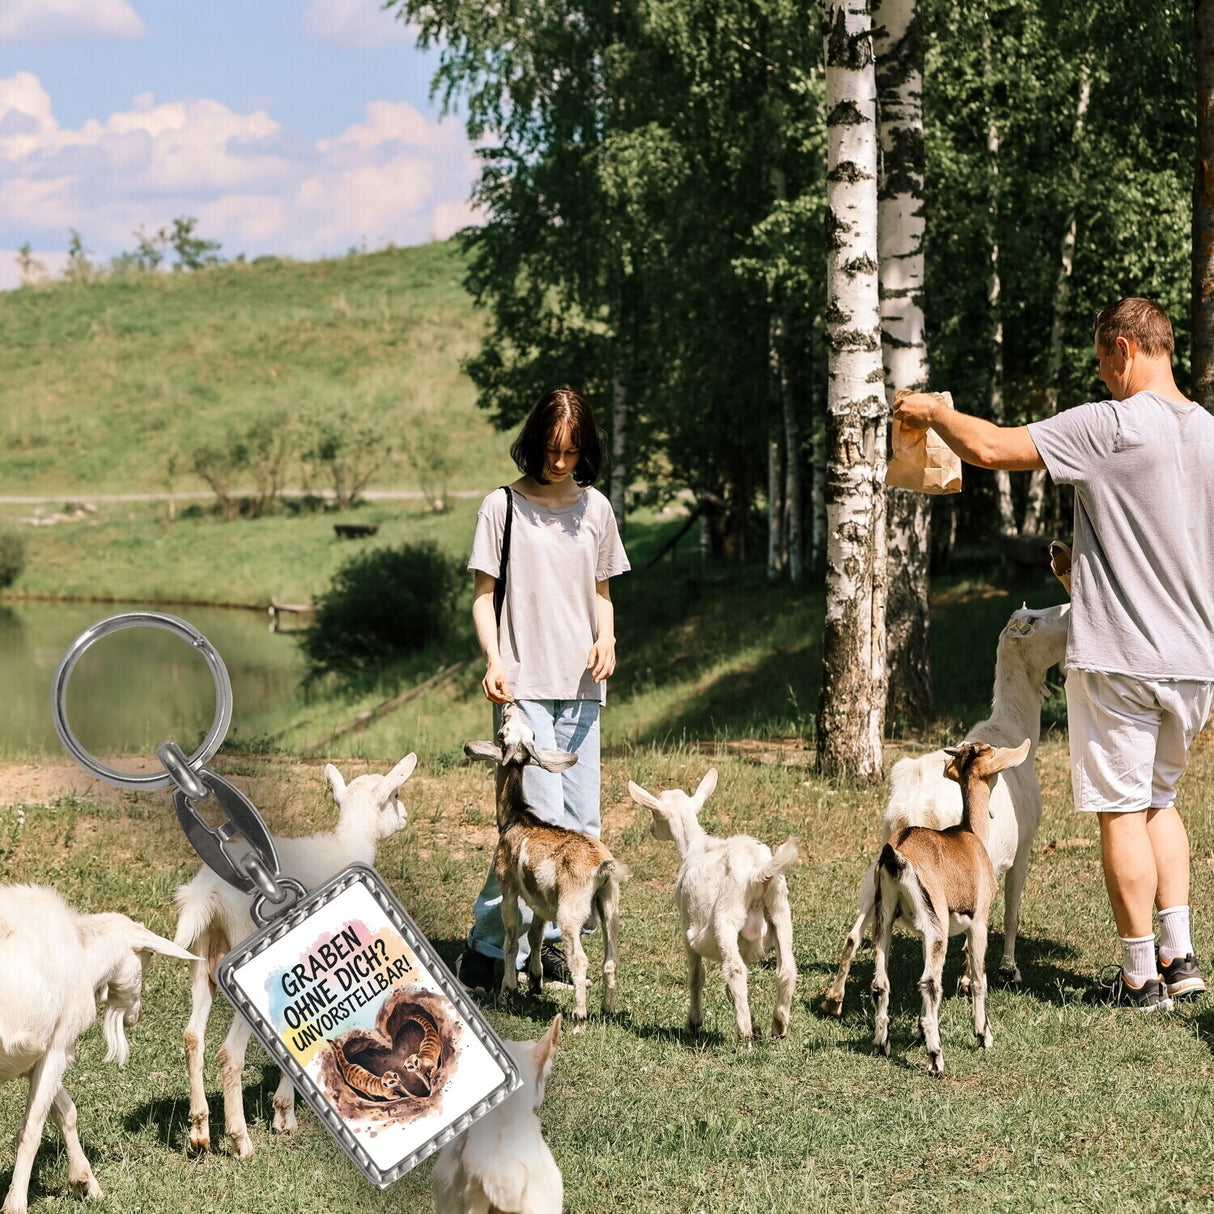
<point>916,409</point>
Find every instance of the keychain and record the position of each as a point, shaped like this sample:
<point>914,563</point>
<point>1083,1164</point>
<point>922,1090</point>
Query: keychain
<point>344,991</point>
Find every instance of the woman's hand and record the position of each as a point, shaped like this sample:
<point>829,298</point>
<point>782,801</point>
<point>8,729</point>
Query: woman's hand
<point>601,661</point>
<point>494,684</point>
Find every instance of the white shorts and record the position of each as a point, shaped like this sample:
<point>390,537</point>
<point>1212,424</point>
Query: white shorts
<point>1130,738</point>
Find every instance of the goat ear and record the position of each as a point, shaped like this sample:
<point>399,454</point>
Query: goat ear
<point>706,787</point>
<point>542,1053</point>
<point>551,760</point>
<point>336,782</point>
<point>1014,757</point>
<point>145,941</point>
<point>483,752</point>
<point>641,797</point>
<point>395,778</point>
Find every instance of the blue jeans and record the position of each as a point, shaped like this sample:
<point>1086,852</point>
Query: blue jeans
<point>569,798</point>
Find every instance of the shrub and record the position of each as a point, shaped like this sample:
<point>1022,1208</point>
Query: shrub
<point>12,557</point>
<point>382,604</point>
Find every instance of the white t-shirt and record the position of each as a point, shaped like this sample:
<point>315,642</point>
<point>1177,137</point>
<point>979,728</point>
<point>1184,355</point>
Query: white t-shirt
<point>1142,573</point>
<point>549,616</point>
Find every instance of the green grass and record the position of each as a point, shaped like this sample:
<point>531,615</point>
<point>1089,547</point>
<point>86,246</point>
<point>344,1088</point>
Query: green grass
<point>108,388</point>
<point>1075,1108</point>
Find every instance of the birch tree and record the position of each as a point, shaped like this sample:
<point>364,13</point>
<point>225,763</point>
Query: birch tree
<point>900,226</point>
<point>852,705</point>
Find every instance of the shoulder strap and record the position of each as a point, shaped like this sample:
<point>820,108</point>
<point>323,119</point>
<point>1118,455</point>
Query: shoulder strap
<point>499,589</point>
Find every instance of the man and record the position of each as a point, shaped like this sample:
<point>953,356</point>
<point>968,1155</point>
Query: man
<point>1140,655</point>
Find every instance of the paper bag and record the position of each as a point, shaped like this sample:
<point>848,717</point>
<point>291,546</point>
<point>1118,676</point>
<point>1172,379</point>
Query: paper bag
<point>921,459</point>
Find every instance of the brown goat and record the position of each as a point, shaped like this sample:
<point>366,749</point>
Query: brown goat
<point>941,883</point>
<point>563,875</point>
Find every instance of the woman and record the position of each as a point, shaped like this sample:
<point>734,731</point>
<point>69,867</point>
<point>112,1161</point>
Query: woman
<point>553,647</point>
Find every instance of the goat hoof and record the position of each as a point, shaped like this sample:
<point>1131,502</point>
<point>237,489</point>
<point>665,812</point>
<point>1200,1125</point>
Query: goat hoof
<point>242,1146</point>
<point>881,1049</point>
<point>200,1144</point>
<point>832,1006</point>
<point>86,1186</point>
<point>936,1066</point>
<point>745,1045</point>
<point>1009,975</point>
<point>284,1121</point>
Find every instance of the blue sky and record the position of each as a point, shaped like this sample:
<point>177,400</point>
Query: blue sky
<point>297,127</point>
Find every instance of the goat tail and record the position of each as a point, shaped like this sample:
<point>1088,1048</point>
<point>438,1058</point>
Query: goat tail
<point>787,854</point>
<point>613,869</point>
<point>198,929</point>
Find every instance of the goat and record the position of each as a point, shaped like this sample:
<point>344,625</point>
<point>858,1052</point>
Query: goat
<point>213,916</point>
<point>58,965</point>
<point>563,875</point>
<point>502,1163</point>
<point>1030,643</point>
<point>732,898</point>
<point>940,883</point>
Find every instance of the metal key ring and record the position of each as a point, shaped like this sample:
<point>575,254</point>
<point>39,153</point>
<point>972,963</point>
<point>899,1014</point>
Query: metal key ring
<point>141,619</point>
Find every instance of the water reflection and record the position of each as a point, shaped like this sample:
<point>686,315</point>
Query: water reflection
<point>135,688</point>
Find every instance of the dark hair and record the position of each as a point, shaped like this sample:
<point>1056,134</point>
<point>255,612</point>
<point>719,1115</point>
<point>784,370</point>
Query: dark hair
<point>1141,320</point>
<point>557,409</point>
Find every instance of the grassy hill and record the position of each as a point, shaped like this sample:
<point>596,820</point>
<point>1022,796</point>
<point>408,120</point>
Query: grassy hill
<point>109,387</point>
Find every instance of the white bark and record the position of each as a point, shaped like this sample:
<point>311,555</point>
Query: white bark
<point>852,706</point>
<point>901,224</point>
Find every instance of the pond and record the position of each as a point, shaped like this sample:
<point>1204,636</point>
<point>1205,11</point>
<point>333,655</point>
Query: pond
<point>136,688</point>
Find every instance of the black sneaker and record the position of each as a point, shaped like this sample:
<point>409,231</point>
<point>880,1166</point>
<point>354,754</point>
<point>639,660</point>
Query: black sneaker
<point>1151,996</point>
<point>555,965</point>
<point>1182,977</point>
<point>475,970</point>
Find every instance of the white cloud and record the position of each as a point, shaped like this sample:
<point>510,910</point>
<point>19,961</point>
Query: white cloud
<point>68,20</point>
<point>355,23</point>
<point>395,177</point>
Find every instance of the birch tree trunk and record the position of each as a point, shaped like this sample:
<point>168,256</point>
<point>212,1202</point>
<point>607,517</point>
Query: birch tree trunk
<point>899,66</point>
<point>1203,211</point>
<point>852,705</point>
<point>1003,482</point>
<point>1062,291</point>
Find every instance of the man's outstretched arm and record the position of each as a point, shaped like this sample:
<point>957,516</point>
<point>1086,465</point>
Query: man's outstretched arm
<point>976,440</point>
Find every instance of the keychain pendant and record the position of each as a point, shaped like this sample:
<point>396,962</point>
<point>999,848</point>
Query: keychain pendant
<point>354,1005</point>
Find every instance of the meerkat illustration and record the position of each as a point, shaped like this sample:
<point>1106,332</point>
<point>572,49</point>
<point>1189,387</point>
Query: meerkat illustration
<point>363,1081</point>
<point>425,1061</point>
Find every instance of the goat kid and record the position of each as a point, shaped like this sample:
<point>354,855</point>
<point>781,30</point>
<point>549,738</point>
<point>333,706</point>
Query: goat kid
<point>213,916</point>
<point>941,883</point>
<point>58,965</point>
<point>563,875</point>
<point>732,899</point>
<point>502,1162</point>
<point>1031,642</point>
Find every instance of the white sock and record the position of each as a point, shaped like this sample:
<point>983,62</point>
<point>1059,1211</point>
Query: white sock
<point>1138,958</point>
<point>1174,938</point>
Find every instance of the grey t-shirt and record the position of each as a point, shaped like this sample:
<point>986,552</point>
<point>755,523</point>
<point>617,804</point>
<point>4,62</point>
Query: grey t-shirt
<point>1142,577</point>
<point>549,617</point>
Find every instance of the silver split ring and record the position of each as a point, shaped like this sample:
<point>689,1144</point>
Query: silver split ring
<point>141,619</point>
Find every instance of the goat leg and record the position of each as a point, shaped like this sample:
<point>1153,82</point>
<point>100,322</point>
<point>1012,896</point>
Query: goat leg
<point>509,914</point>
<point>80,1174</point>
<point>832,1001</point>
<point>535,960</point>
<point>608,906</point>
<point>1013,888</point>
<point>977,939</point>
<point>45,1079</point>
<point>739,995</point>
<point>935,947</point>
<point>201,996</point>
<point>786,965</point>
<point>695,986</point>
<point>284,1107</point>
<point>231,1071</point>
<point>883,930</point>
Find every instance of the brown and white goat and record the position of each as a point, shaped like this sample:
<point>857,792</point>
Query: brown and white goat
<point>940,883</point>
<point>563,875</point>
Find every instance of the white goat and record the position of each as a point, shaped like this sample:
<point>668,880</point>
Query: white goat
<point>563,875</point>
<point>1030,643</point>
<point>502,1163</point>
<point>58,965</point>
<point>732,898</point>
<point>940,883</point>
<point>213,916</point>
